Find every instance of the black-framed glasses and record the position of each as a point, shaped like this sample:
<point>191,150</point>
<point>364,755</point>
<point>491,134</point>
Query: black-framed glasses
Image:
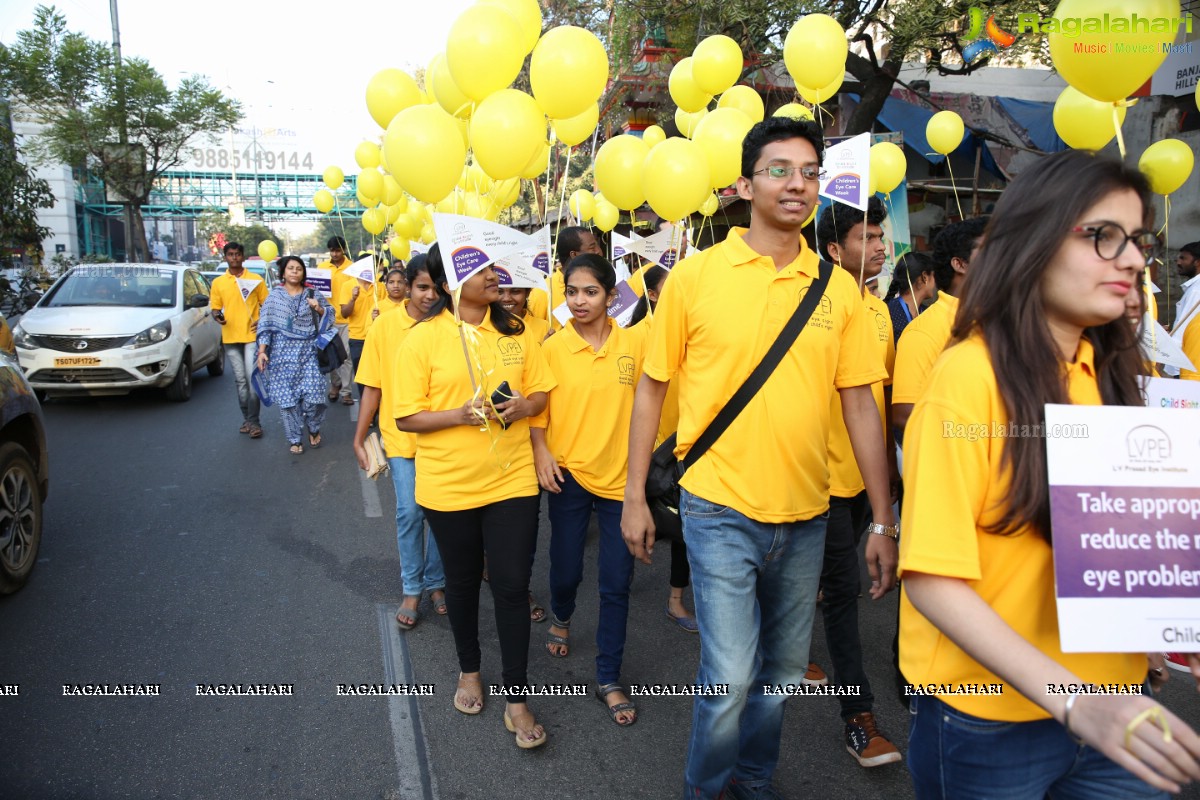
<point>1110,240</point>
<point>779,172</point>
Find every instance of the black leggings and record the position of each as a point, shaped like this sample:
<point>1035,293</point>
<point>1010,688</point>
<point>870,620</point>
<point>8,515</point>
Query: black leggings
<point>507,532</point>
<point>681,573</point>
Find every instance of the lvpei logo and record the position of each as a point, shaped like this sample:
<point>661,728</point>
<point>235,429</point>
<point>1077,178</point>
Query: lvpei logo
<point>984,38</point>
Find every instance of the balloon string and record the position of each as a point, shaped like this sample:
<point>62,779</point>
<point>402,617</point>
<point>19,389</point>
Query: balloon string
<point>480,389</point>
<point>1116,118</point>
<point>862,263</point>
<point>953,187</point>
<point>1166,243</point>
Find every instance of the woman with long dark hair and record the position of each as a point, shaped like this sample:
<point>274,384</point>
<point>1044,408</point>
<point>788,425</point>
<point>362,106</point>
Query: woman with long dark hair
<point>475,477</point>
<point>1041,321</point>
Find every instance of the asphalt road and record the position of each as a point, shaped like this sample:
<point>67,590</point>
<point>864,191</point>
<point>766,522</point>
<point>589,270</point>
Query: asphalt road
<point>179,553</point>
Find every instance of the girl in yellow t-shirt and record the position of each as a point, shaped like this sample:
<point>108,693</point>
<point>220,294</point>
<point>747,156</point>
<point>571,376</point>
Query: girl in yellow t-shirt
<point>475,478</point>
<point>581,448</point>
<point>395,286</point>
<point>1041,321</point>
<point>516,302</point>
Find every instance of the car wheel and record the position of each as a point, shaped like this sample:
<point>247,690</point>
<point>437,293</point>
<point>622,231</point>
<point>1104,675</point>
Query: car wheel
<point>20,517</point>
<point>216,367</point>
<point>180,390</point>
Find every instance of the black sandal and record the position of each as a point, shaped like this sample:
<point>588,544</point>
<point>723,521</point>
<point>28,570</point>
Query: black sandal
<point>602,693</point>
<point>554,639</point>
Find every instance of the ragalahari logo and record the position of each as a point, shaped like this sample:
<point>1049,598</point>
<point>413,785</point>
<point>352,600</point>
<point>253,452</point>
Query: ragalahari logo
<point>984,39</point>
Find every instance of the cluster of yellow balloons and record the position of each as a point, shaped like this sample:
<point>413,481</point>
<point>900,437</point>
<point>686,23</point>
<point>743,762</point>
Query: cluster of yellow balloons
<point>814,53</point>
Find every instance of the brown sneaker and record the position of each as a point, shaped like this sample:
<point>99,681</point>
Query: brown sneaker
<point>867,744</point>
<point>815,676</point>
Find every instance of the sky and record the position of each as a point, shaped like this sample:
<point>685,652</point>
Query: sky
<point>300,69</point>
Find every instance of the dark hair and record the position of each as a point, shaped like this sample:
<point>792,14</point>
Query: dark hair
<point>337,242</point>
<point>416,265</point>
<point>282,262</point>
<point>232,246</point>
<point>778,129</point>
<point>569,241</point>
<point>838,218</point>
<point>395,271</point>
<point>956,240</point>
<point>599,266</point>
<point>1002,300</point>
<point>1192,249</point>
<point>504,321</point>
<point>909,269</point>
<point>654,277</point>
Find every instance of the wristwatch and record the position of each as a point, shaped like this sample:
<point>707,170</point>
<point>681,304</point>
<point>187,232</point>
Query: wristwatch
<point>890,531</point>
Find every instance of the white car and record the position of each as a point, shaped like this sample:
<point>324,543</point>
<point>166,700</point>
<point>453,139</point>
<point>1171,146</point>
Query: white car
<point>106,329</point>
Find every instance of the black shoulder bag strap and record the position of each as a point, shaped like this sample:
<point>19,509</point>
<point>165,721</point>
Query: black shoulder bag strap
<point>758,377</point>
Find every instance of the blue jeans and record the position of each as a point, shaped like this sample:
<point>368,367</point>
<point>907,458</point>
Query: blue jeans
<point>570,512</point>
<point>952,754</point>
<point>240,358</point>
<point>755,589</point>
<point>420,562</point>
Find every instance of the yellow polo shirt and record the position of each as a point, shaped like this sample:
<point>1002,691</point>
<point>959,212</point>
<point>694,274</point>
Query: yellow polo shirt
<point>537,305</point>
<point>336,280</point>
<point>588,413</point>
<point>845,479</point>
<point>537,326</point>
<point>668,419</point>
<point>716,318</point>
<point>387,304</point>
<point>360,317</point>
<point>954,487</point>
<point>241,315</point>
<point>377,368</point>
<point>1191,348</point>
<point>466,467</point>
<point>922,342</point>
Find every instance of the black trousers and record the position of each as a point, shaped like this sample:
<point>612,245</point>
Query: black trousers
<point>848,520</point>
<point>681,572</point>
<point>506,531</point>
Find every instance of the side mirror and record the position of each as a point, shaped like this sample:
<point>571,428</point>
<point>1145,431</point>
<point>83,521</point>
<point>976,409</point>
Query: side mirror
<point>198,301</point>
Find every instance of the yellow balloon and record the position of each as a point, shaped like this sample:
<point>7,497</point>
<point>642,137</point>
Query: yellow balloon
<point>333,177</point>
<point>389,92</point>
<point>400,248</point>
<point>793,110</point>
<point>323,200</point>
<point>427,234</point>
<point>374,220</point>
<point>268,250</point>
<point>539,163</point>
<point>392,213</point>
<point>483,50</point>
<point>478,180</point>
<point>619,170</point>
<point>676,178</point>
<point>945,131</point>
<point>744,99</point>
<point>505,193</point>
<point>815,50</point>
<point>401,202</point>
<point>813,216</point>
<point>684,91</point>
<point>370,184</point>
<point>453,203</point>
<point>716,64</point>
<point>1084,123</point>
<point>528,15</point>
<point>607,216</point>
<point>425,150</point>
<point>366,155</point>
<point>687,122</point>
<point>582,204</point>
<point>710,205</point>
<point>1089,60</point>
<point>888,166</point>
<point>408,226</point>
<point>568,71</point>
<point>654,136</point>
<point>1167,165</point>
<point>506,131</point>
<point>363,200</point>
<point>576,130</point>
<point>445,90</point>
<point>827,91</point>
<point>720,135</point>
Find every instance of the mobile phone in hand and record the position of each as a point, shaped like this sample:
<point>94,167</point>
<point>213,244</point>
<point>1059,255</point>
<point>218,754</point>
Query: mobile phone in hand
<point>502,395</point>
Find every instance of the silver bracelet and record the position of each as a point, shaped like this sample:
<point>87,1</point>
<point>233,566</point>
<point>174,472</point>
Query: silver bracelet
<point>1067,716</point>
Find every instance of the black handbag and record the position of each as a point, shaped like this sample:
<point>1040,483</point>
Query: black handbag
<point>662,478</point>
<point>332,355</point>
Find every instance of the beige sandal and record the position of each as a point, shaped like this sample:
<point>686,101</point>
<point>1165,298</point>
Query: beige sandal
<point>467,708</point>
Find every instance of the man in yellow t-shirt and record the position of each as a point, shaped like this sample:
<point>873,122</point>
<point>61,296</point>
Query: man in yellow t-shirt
<point>571,242</point>
<point>356,300</point>
<point>340,378</point>
<point>927,335</point>
<point>753,506</point>
<point>236,299</point>
<point>854,241</point>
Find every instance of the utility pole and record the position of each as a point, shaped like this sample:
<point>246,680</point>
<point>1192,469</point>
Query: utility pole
<point>124,131</point>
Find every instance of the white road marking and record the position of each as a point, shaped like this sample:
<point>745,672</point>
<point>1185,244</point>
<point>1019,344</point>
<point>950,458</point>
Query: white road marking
<point>416,780</point>
<point>370,492</point>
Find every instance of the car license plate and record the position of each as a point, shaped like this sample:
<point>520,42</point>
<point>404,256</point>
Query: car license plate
<point>77,361</point>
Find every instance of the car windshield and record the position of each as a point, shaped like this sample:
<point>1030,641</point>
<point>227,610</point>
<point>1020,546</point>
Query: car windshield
<point>102,285</point>
<point>258,270</point>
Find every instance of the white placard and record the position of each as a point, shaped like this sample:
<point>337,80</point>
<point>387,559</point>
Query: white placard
<point>662,248</point>
<point>469,244</point>
<point>529,267</point>
<point>363,269</point>
<point>847,168</point>
<point>1159,348</point>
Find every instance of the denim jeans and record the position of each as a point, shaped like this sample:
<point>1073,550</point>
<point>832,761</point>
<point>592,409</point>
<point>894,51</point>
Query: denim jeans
<point>570,512</point>
<point>240,358</point>
<point>840,581</point>
<point>420,563</point>
<point>755,590</point>
<point>952,754</point>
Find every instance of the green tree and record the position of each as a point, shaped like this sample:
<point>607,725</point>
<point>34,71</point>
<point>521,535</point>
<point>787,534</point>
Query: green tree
<point>248,236</point>
<point>21,195</point>
<point>116,118</point>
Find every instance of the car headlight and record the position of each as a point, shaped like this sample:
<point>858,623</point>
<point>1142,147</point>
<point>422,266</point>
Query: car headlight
<point>24,340</point>
<point>152,335</point>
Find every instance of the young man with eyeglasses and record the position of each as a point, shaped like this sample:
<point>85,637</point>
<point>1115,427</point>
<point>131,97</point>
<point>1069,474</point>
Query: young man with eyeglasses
<point>754,506</point>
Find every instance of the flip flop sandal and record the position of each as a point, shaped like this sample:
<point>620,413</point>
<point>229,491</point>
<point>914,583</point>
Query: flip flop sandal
<point>314,440</point>
<point>439,606</point>
<point>255,432</point>
<point>245,428</point>
<point>296,450</point>
<point>524,744</point>
<point>536,612</point>
<point>554,639</point>
<point>413,614</point>
<point>602,693</point>
<point>463,707</point>
<point>347,400</point>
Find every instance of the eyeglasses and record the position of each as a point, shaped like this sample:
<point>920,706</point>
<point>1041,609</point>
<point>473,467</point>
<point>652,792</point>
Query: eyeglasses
<point>1111,238</point>
<point>779,172</point>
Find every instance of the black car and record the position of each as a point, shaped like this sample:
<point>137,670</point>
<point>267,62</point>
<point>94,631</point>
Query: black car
<point>24,476</point>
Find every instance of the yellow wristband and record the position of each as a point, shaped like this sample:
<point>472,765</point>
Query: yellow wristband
<point>1153,714</point>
